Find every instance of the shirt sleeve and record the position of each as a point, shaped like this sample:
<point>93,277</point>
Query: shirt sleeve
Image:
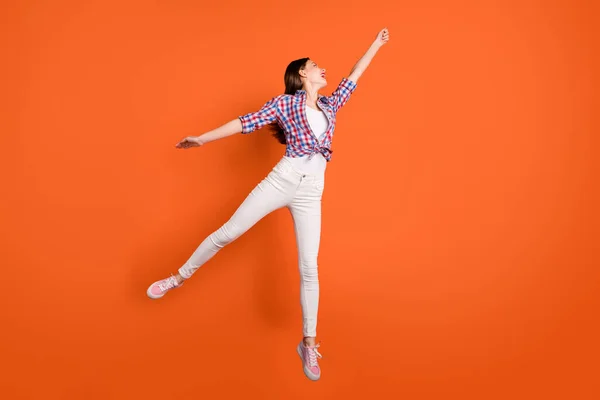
<point>342,93</point>
<point>256,120</point>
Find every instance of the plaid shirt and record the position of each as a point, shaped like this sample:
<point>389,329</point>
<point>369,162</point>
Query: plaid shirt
<point>289,111</point>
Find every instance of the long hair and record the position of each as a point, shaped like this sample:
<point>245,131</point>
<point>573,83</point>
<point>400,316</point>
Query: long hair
<point>292,83</point>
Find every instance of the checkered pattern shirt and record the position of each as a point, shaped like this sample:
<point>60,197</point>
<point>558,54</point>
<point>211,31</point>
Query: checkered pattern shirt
<point>290,113</point>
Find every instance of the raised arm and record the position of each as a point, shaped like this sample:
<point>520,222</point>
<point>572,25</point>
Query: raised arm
<point>347,86</point>
<point>362,64</point>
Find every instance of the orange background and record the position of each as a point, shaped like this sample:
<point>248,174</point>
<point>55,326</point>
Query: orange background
<point>459,256</point>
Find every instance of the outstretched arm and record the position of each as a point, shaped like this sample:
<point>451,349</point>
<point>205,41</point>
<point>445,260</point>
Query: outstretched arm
<point>362,64</point>
<point>243,124</point>
<point>230,128</point>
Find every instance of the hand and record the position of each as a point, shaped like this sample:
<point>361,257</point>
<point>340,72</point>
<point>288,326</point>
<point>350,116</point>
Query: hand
<point>190,141</point>
<point>382,37</point>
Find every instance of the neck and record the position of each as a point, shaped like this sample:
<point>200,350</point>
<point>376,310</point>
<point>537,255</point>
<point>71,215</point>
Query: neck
<point>311,98</point>
<point>312,94</point>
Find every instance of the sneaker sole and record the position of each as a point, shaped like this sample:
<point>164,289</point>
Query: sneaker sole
<point>307,372</point>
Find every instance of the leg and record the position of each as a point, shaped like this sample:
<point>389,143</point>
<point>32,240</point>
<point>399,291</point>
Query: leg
<point>270,194</point>
<point>306,212</point>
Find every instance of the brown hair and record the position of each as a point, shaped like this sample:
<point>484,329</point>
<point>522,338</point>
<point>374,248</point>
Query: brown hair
<point>292,83</point>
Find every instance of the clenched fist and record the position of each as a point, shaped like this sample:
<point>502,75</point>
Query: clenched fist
<point>382,37</point>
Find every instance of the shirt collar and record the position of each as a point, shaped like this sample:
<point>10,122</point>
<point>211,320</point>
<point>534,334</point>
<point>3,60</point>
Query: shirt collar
<point>302,92</point>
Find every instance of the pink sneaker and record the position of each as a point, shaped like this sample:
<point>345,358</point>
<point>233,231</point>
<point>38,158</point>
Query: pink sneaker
<point>309,357</point>
<point>159,288</point>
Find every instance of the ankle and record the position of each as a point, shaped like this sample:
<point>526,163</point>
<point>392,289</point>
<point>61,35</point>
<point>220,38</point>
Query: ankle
<point>309,341</point>
<point>179,278</point>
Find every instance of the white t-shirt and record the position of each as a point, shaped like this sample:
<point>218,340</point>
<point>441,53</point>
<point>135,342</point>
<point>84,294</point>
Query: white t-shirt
<point>316,165</point>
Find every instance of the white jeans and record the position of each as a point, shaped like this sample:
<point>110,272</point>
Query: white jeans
<point>301,194</point>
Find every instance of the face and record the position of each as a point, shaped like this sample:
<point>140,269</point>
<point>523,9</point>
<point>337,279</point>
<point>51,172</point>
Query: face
<point>313,74</point>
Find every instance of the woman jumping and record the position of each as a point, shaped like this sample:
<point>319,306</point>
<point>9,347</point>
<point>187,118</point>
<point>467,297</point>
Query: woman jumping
<point>304,121</point>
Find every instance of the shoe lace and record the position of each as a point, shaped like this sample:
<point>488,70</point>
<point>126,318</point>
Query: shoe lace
<point>168,283</point>
<point>313,354</point>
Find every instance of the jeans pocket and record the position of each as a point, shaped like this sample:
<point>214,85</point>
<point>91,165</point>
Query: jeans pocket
<point>319,184</point>
<point>281,177</point>
<point>282,168</point>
